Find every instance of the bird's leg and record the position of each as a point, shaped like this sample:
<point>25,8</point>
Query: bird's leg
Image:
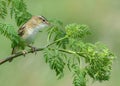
<point>33,49</point>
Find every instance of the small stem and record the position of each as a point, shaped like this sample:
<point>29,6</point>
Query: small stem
<point>71,52</point>
<point>56,41</point>
<point>67,51</point>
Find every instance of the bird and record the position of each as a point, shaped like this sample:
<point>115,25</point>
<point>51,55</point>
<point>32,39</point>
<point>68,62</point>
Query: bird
<point>29,30</point>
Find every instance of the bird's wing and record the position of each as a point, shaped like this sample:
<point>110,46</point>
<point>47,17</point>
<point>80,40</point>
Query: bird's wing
<point>21,30</point>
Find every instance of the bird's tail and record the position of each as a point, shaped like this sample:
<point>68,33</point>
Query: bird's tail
<point>14,50</point>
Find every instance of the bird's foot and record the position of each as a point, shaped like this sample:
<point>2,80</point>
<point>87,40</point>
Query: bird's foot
<point>34,50</point>
<point>24,52</point>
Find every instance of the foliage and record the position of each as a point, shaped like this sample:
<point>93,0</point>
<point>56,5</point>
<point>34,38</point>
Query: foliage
<point>3,9</point>
<point>55,61</point>
<point>85,59</point>
<point>18,10</point>
<point>66,49</point>
<point>8,31</point>
<point>79,76</point>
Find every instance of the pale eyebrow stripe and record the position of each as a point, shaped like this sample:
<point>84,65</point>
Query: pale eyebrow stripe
<point>43,17</point>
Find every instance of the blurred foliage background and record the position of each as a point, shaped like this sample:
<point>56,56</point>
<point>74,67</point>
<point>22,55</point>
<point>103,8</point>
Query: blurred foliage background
<point>103,18</point>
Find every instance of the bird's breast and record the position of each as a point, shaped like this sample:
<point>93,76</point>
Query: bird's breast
<point>30,33</point>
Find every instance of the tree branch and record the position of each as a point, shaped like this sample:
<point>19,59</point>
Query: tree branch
<point>29,51</point>
<point>17,55</point>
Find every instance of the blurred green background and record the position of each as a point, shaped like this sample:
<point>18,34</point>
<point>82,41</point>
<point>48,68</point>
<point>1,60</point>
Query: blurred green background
<point>103,18</point>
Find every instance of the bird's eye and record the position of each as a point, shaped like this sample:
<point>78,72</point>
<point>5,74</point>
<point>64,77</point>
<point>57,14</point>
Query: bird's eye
<point>43,20</point>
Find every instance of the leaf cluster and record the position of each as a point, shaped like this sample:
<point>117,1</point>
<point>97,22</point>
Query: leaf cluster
<point>3,8</point>
<point>81,58</point>
<point>9,31</point>
<point>76,31</point>
<point>55,61</point>
<point>55,33</point>
<point>18,11</point>
<point>79,76</point>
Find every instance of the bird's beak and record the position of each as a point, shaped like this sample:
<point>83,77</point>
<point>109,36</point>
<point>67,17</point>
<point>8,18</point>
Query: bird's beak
<point>47,23</point>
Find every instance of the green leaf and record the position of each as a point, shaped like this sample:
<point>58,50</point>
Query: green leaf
<point>56,32</point>
<point>55,61</point>
<point>76,31</point>
<point>19,10</point>
<point>9,32</point>
<point>79,76</point>
<point>3,9</point>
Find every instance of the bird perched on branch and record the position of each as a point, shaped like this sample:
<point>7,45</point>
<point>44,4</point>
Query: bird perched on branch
<point>29,30</point>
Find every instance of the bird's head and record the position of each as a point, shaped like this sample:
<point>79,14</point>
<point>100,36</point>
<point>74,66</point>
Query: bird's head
<point>43,20</point>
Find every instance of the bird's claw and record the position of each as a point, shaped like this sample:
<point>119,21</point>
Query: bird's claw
<point>34,50</point>
<point>24,52</point>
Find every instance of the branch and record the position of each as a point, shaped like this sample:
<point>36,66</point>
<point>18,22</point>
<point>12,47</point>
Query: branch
<point>29,51</point>
<point>17,55</point>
